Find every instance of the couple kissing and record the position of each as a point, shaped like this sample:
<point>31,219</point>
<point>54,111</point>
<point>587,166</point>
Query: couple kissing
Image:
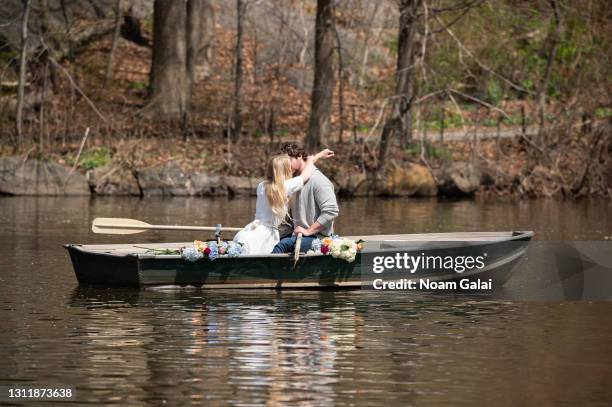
<point>294,198</point>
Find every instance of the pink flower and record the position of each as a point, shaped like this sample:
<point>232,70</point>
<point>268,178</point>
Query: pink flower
<point>324,249</point>
<point>207,251</point>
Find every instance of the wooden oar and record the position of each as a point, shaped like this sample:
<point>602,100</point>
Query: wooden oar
<point>296,253</point>
<point>123,226</point>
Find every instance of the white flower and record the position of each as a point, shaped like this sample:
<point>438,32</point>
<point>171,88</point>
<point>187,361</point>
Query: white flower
<point>344,249</point>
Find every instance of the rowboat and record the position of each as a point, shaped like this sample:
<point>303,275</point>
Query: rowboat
<point>148,264</point>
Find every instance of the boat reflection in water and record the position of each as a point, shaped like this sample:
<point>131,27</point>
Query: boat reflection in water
<point>224,342</point>
<point>322,348</point>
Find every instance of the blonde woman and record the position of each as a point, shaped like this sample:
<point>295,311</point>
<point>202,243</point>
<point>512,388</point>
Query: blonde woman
<point>273,195</point>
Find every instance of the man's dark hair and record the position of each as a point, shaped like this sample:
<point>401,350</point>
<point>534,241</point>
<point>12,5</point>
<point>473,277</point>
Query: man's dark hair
<point>295,151</point>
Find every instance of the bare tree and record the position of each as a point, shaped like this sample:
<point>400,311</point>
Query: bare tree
<point>200,28</point>
<point>115,41</point>
<point>240,14</point>
<point>177,39</point>
<point>554,37</point>
<point>340,87</point>
<point>400,119</point>
<point>369,30</point>
<point>168,88</point>
<point>322,91</point>
<point>22,70</point>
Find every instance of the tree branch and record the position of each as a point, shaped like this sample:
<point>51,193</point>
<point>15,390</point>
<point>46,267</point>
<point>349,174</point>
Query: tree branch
<point>482,65</point>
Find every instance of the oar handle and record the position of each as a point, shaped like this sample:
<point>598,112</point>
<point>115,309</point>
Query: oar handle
<point>298,244</point>
<point>167,227</point>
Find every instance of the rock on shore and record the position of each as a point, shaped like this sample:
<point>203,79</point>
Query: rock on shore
<point>166,180</point>
<point>112,180</point>
<point>459,179</point>
<point>35,177</point>
<point>407,179</point>
<point>410,180</point>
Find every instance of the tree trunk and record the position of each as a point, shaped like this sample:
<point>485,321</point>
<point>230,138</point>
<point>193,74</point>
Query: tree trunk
<point>322,91</point>
<point>369,30</point>
<point>43,96</point>
<point>400,120</point>
<point>200,30</point>
<point>63,5</point>
<point>340,88</point>
<point>47,32</point>
<point>182,34</point>
<point>405,65</point>
<point>22,71</point>
<point>240,13</point>
<point>111,55</point>
<point>553,39</point>
<point>169,88</point>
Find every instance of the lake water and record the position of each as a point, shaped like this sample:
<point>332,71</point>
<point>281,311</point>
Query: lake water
<point>152,347</point>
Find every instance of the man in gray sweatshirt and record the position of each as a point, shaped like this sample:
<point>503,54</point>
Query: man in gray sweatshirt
<point>313,209</point>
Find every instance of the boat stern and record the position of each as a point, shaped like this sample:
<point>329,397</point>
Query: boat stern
<point>102,268</point>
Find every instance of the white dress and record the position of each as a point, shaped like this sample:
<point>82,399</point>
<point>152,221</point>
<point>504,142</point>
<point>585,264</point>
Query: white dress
<point>261,235</point>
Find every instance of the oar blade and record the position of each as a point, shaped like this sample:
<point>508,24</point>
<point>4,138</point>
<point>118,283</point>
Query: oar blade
<point>117,226</point>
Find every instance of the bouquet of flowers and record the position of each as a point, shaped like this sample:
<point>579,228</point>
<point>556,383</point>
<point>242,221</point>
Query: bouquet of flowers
<point>338,247</point>
<point>211,250</point>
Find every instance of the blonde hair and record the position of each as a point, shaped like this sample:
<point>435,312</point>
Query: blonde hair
<point>279,170</point>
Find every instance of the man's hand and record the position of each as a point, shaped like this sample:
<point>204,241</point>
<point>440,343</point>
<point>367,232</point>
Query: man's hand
<point>303,231</point>
<point>312,230</point>
<point>327,153</point>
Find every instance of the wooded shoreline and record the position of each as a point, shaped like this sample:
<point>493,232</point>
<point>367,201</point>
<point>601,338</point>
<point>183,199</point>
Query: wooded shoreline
<point>153,167</point>
<point>128,92</point>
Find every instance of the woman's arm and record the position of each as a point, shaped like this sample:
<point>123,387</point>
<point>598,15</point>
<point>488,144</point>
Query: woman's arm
<point>310,163</point>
